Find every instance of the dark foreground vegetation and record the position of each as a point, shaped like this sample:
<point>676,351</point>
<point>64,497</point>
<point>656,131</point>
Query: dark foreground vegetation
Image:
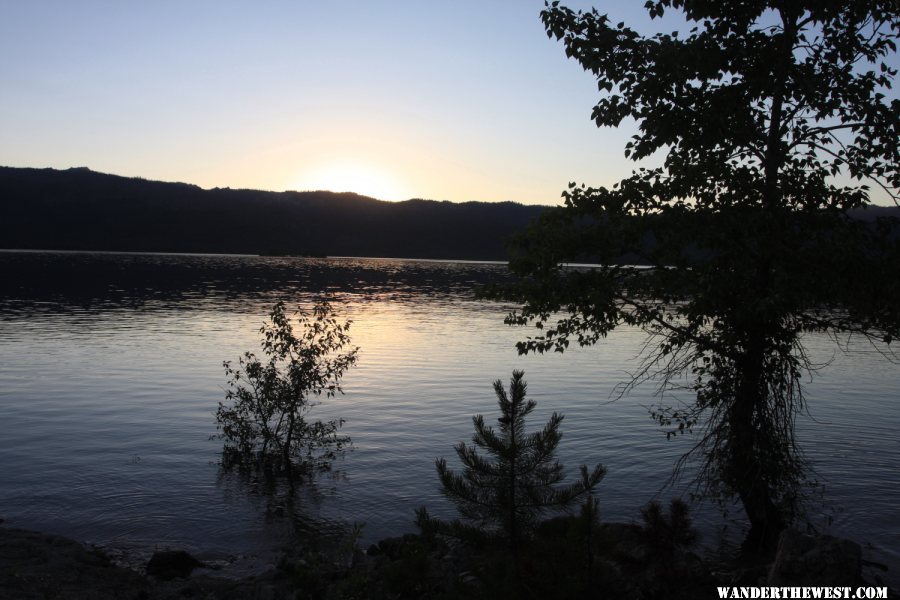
<point>775,123</point>
<point>78,209</point>
<point>648,559</point>
<point>37,566</point>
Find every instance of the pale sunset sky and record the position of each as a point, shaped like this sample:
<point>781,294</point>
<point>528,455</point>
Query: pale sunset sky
<point>446,100</point>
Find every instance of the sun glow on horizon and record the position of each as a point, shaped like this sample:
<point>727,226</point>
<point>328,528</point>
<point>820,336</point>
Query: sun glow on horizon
<point>349,176</point>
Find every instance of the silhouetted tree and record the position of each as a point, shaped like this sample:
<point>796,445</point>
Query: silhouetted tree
<point>270,397</point>
<point>771,116</point>
<point>517,484</point>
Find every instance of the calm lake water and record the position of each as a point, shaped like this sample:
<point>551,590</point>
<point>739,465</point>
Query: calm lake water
<point>111,370</point>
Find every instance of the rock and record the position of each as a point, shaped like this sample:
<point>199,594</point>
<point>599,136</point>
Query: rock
<point>34,566</point>
<point>820,560</point>
<point>171,564</point>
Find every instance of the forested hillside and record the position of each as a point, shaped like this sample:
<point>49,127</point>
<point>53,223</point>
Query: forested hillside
<point>79,209</point>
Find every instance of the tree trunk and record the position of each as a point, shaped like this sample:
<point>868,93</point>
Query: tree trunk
<point>286,449</point>
<point>747,472</point>
<point>513,504</point>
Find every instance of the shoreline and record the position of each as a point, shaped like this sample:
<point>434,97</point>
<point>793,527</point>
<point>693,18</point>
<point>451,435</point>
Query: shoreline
<point>37,565</point>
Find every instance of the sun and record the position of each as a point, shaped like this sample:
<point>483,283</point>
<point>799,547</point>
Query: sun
<point>350,176</point>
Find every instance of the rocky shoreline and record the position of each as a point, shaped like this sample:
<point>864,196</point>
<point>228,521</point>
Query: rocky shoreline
<point>41,566</point>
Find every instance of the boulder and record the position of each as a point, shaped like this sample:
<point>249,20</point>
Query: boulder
<point>815,560</point>
<point>171,564</point>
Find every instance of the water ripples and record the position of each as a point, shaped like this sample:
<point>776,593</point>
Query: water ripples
<point>111,370</point>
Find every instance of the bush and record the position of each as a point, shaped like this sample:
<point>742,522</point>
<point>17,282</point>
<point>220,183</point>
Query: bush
<point>269,397</point>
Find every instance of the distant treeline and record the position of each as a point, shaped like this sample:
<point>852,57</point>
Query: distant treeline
<point>78,209</point>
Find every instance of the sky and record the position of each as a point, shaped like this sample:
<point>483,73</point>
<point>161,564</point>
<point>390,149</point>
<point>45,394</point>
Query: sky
<point>462,100</point>
<point>446,100</point>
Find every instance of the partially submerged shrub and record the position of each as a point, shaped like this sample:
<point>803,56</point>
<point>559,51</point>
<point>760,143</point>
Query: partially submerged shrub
<point>269,397</point>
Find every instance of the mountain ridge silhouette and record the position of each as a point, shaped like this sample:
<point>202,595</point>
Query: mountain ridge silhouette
<point>81,209</point>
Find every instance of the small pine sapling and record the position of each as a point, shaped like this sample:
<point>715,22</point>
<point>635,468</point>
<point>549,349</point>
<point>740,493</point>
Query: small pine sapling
<point>665,534</point>
<point>504,494</point>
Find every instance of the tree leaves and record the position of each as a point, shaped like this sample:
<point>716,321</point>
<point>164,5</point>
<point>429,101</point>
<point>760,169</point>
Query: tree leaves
<point>270,396</point>
<point>775,127</point>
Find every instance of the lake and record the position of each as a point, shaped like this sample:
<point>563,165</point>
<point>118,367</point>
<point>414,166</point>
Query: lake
<point>111,371</point>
